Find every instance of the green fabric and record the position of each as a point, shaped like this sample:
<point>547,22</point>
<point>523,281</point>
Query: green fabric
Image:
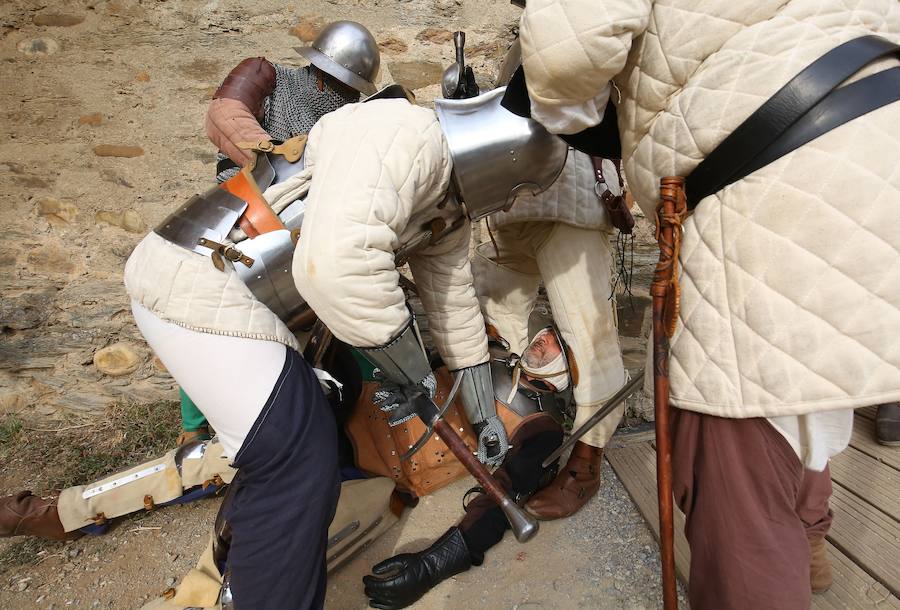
<point>191,417</point>
<point>365,367</point>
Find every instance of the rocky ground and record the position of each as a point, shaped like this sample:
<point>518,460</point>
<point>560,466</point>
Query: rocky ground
<point>102,110</point>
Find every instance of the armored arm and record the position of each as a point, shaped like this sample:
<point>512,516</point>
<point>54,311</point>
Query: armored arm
<point>445,285</point>
<point>238,107</point>
<point>250,82</point>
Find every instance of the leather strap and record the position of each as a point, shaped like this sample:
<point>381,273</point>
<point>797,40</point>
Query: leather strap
<point>762,128</point>
<point>259,217</point>
<point>291,149</point>
<point>615,205</point>
<point>842,106</point>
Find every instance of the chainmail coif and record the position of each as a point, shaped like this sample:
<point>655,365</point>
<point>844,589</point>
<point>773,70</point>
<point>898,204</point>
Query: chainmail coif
<point>295,105</point>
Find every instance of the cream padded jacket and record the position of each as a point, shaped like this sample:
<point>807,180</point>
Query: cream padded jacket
<point>570,200</point>
<point>790,277</point>
<point>381,172</point>
<point>184,288</point>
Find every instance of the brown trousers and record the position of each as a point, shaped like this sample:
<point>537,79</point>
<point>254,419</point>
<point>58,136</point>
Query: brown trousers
<point>749,507</point>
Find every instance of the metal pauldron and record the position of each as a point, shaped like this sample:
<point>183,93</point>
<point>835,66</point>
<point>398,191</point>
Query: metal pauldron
<point>497,155</point>
<point>402,360</point>
<point>203,224</point>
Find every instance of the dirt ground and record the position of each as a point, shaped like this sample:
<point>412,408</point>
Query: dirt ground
<point>102,108</point>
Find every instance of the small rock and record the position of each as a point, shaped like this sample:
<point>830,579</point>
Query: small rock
<point>392,46</point>
<point>74,552</point>
<point>117,359</point>
<point>142,77</point>
<point>129,220</point>
<point>91,119</point>
<point>435,35</point>
<point>306,29</point>
<point>56,211</point>
<point>22,584</point>
<point>416,74</point>
<point>38,46</point>
<point>51,259</point>
<point>201,69</point>
<point>488,49</point>
<point>170,581</point>
<point>118,150</point>
<point>159,366</point>
<point>132,222</point>
<point>57,20</point>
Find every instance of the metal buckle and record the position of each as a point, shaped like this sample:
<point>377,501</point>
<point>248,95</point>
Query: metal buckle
<point>229,252</point>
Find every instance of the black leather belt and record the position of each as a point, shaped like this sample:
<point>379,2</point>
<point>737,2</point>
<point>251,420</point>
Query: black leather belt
<point>808,106</point>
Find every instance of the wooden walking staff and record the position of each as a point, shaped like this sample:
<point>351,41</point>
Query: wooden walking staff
<point>670,213</point>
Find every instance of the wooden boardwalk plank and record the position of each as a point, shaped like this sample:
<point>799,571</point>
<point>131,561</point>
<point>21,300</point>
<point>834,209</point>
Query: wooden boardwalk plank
<point>636,467</point>
<point>868,536</point>
<point>867,412</point>
<point>875,481</point>
<point>853,587</point>
<point>863,439</point>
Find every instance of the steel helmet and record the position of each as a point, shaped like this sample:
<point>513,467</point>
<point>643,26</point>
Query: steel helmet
<point>347,51</point>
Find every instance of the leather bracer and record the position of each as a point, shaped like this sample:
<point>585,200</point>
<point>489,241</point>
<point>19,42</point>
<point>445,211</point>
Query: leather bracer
<point>251,82</point>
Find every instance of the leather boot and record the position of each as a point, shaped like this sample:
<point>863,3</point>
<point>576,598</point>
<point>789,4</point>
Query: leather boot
<point>25,514</point>
<point>573,486</point>
<point>887,424</point>
<point>819,565</point>
<point>187,436</point>
<point>402,580</point>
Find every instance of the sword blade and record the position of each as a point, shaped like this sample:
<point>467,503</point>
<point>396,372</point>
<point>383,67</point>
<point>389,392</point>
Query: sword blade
<point>618,398</point>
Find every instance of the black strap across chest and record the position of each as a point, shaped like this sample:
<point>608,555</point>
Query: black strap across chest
<point>808,106</point>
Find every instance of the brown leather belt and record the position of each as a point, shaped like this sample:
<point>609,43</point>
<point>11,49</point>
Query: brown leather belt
<point>259,217</point>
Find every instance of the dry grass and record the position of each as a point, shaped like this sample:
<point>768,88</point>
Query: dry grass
<point>54,458</point>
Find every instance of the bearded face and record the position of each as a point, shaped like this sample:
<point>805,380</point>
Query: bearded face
<point>544,364</point>
<point>542,350</point>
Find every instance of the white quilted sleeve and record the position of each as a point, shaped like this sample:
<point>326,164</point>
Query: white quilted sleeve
<point>367,182</point>
<point>571,49</point>
<point>444,279</point>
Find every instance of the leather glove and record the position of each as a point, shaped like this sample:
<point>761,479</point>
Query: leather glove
<point>402,580</point>
<point>396,399</point>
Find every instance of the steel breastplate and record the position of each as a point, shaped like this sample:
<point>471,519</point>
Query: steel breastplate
<point>212,215</point>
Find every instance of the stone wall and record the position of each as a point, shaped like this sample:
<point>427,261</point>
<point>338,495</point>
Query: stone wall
<point>102,136</point>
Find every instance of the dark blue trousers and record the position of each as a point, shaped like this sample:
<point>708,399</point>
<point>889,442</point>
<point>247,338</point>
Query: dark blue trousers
<point>288,490</point>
